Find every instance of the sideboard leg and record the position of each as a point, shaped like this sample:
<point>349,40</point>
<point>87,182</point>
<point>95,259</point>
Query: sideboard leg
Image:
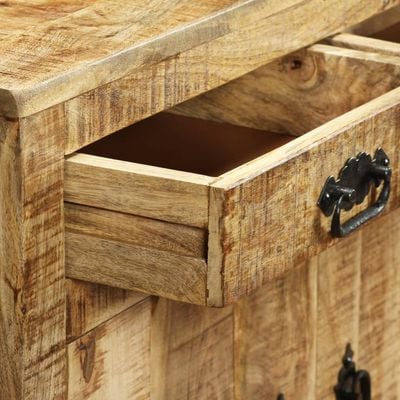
<point>32,292</point>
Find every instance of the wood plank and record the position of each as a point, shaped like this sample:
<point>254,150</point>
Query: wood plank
<point>104,41</point>
<point>143,232</point>
<point>11,323</point>
<point>275,338</point>
<point>112,361</point>
<point>89,305</point>
<point>281,203</point>
<point>357,42</point>
<point>192,352</point>
<point>376,23</point>
<point>339,280</point>
<point>84,49</point>
<point>23,14</point>
<point>298,92</point>
<point>157,193</point>
<point>127,266</point>
<point>380,306</point>
<point>32,293</point>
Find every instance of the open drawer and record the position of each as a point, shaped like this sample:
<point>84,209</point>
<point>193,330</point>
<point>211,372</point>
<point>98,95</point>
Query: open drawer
<point>208,203</point>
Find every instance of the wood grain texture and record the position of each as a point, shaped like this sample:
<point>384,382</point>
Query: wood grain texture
<point>192,352</point>
<point>89,305</point>
<point>12,321</point>
<point>270,220</point>
<point>95,43</point>
<point>379,324</point>
<point>143,232</point>
<point>376,23</point>
<point>127,266</point>
<point>240,237</point>
<point>298,92</point>
<point>112,361</point>
<point>337,323</point>
<point>32,323</point>
<point>357,42</point>
<point>157,193</point>
<point>275,338</point>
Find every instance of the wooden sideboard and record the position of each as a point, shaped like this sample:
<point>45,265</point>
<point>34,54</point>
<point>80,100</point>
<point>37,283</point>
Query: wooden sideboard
<point>168,228</point>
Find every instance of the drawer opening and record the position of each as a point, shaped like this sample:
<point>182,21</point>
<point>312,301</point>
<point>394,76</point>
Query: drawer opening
<point>390,34</point>
<point>187,144</point>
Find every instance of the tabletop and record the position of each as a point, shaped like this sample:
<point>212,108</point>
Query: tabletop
<point>54,50</point>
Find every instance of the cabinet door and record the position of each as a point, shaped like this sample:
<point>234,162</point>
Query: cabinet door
<point>379,320</point>
<point>275,338</point>
<point>290,336</point>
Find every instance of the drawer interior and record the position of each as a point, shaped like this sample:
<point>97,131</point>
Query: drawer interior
<point>187,144</point>
<point>391,33</point>
<point>227,127</point>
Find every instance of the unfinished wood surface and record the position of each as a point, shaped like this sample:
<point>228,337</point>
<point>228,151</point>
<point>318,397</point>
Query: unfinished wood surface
<point>144,232</point>
<point>127,266</point>
<point>138,189</point>
<point>275,338</point>
<point>300,91</point>
<point>376,23</point>
<point>32,292</point>
<point>191,352</point>
<point>338,308</point>
<point>270,221</point>
<point>113,360</point>
<point>93,43</point>
<point>272,196</point>
<point>90,304</point>
<point>380,306</point>
<point>382,47</point>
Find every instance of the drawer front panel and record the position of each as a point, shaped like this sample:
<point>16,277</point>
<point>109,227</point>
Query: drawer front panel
<point>266,224</point>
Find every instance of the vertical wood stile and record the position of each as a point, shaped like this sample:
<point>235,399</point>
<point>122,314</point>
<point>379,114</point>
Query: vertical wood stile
<point>275,338</point>
<point>379,349</point>
<point>32,292</point>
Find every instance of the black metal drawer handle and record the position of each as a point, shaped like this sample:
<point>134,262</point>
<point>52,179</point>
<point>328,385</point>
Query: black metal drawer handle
<point>352,384</point>
<point>351,187</point>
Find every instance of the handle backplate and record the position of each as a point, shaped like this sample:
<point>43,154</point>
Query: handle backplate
<point>351,187</point>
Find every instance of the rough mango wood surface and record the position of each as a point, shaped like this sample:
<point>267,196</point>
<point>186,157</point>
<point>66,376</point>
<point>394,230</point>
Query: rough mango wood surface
<point>74,71</point>
<point>252,237</point>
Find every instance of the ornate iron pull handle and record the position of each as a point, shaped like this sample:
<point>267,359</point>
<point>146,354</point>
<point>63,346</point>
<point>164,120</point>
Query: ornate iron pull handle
<point>351,187</point>
<point>352,384</point>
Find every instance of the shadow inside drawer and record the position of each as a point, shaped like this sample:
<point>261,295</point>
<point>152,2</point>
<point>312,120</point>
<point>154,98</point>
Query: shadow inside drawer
<point>391,34</point>
<point>187,144</point>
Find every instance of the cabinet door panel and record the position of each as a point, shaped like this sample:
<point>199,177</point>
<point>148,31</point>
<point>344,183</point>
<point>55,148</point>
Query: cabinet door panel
<point>338,308</point>
<point>379,324</point>
<point>275,338</point>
